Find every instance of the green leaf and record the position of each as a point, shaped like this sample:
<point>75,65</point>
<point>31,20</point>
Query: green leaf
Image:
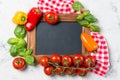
<point>28,52</point>
<point>95,28</point>
<point>29,60</point>
<point>86,12</point>
<point>77,6</point>
<point>12,41</point>
<point>84,23</point>
<point>23,49</point>
<point>13,51</point>
<point>80,17</point>
<point>21,43</point>
<point>20,31</point>
<point>90,18</point>
<point>22,54</point>
<point>25,53</point>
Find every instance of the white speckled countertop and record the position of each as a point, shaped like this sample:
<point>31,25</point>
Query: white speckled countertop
<point>108,14</point>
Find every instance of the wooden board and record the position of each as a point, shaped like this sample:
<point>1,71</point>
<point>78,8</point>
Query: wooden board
<point>31,36</point>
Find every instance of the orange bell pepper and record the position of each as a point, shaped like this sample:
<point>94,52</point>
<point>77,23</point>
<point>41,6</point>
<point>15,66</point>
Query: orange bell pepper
<point>88,42</point>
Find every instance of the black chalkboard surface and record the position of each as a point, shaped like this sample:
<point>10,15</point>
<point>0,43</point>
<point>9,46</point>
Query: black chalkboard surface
<point>62,38</point>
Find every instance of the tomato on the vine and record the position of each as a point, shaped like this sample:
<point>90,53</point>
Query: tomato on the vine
<point>66,60</point>
<point>89,61</point>
<point>77,59</point>
<point>70,70</point>
<point>44,61</point>
<point>60,70</point>
<point>82,72</point>
<point>55,59</point>
<point>19,63</point>
<point>49,70</point>
<point>51,17</point>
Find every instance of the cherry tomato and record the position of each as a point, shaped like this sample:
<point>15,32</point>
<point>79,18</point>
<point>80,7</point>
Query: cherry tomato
<point>55,58</point>
<point>82,72</point>
<point>49,70</point>
<point>51,17</point>
<point>29,26</point>
<point>19,63</point>
<point>90,61</point>
<point>70,70</point>
<point>77,59</point>
<point>44,61</point>
<point>66,60</point>
<point>60,71</point>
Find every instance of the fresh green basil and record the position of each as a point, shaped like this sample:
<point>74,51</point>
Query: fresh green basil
<point>80,17</point>
<point>20,31</point>
<point>12,41</point>
<point>77,6</point>
<point>95,28</point>
<point>29,60</point>
<point>13,50</point>
<point>90,18</point>
<point>86,12</point>
<point>21,43</point>
<point>84,23</point>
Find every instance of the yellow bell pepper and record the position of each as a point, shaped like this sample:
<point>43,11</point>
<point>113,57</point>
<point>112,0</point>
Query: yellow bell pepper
<point>20,18</point>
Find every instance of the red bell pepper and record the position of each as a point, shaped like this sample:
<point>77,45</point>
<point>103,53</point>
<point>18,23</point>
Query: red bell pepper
<point>34,16</point>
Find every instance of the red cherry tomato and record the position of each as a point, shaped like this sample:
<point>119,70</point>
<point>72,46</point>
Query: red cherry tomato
<point>19,63</point>
<point>55,58</point>
<point>51,17</point>
<point>66,60</point>
<point>77,59</point>
<point>70,70</point>
<point>60,71</point>
<point>89,61</point>
<point>44,61</point>
<point>49,70</point>
<point>82,72</point>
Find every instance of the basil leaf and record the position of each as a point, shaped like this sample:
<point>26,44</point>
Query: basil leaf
<point>86,12</point>
<point>95,28</point>
<point>77,6</point>
<point>20,31</point>
<point>28,52</point>
<point>90,18</point>
<point>13,50</point>
<point>12,41</point>
<point>21,43</point>
<point>23,49</point>
<point>80,17</point>
<point>29,60</point>
<point>84,23</point>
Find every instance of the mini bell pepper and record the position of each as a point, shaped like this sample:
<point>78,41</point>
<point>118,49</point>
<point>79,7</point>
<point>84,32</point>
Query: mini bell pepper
<point>88,42</point>
<point>20,18</point>
<point>34,16</point>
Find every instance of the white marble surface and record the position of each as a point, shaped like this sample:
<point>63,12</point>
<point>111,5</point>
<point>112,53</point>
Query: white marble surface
<point>108,14</point>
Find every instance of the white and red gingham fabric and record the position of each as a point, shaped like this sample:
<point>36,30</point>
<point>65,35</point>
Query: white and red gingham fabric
<point>58,6</point>
<point>102,54</point>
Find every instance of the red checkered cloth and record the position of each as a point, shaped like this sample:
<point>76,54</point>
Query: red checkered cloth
<point>102,54</point>
<point>58,6</point>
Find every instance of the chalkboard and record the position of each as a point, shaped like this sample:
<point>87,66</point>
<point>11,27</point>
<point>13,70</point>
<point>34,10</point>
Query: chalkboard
<point>62,38</point>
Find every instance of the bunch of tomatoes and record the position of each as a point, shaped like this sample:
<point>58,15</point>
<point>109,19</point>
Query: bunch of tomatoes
<point>66,64</point>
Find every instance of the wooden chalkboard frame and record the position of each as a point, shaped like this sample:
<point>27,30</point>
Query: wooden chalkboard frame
<point>31,35</point>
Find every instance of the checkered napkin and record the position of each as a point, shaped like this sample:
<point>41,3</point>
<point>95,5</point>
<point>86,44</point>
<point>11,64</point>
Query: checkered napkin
<point>102,54</point>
